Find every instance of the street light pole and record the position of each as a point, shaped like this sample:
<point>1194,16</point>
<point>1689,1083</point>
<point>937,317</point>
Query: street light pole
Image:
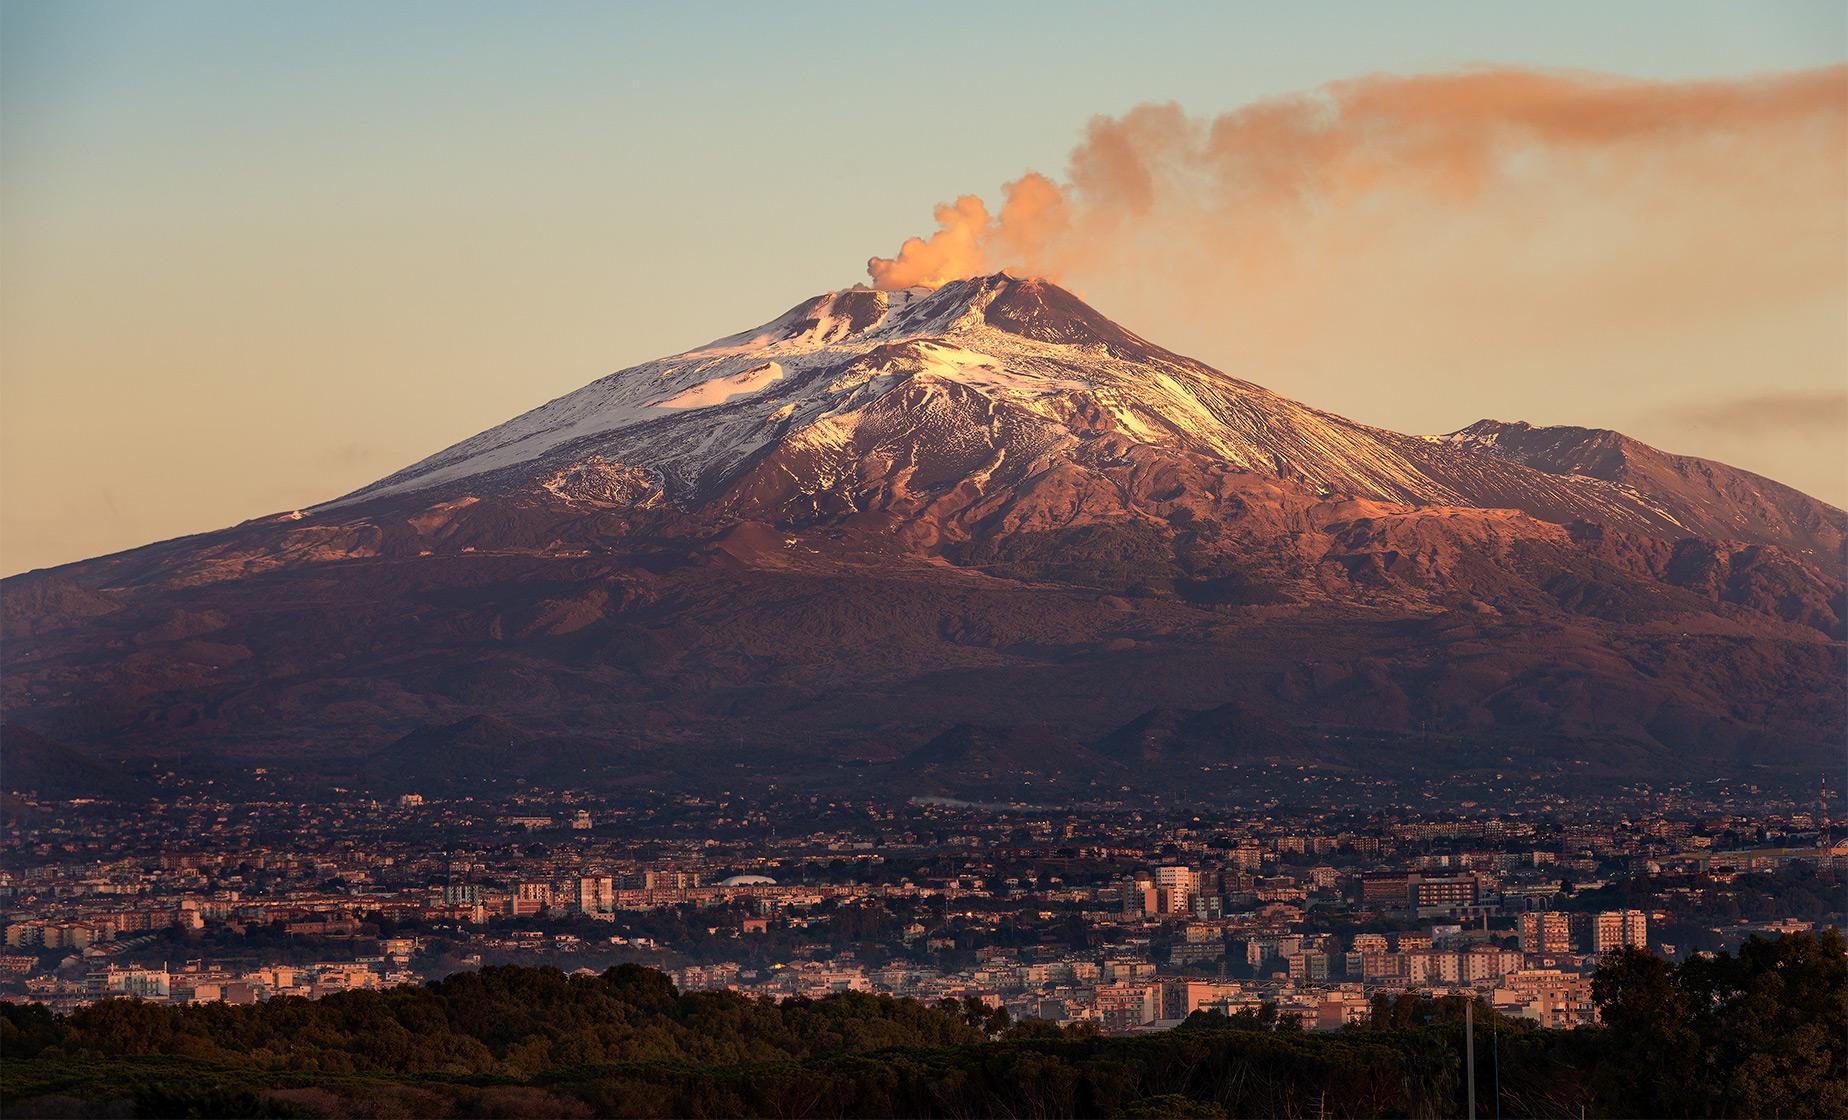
<point>1469,1052</point>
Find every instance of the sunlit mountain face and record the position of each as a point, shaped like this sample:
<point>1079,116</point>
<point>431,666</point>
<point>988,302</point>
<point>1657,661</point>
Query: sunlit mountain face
<point>973,538</point>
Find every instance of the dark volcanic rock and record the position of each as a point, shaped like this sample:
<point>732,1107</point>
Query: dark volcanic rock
<point>983,539</point>
<point>37,765</point>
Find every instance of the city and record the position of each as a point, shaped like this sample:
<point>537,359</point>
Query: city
<point>1125,916</point>
<point>1158,561</point>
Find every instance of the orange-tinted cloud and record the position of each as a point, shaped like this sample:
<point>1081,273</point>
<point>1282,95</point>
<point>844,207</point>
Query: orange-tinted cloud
<point>1235,183</point>
<point>954,251</point>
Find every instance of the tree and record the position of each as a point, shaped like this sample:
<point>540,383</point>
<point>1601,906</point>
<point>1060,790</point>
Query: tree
<point>1761,1033</point>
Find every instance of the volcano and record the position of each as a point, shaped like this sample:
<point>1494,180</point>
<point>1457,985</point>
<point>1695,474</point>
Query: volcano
<point>975,539</point>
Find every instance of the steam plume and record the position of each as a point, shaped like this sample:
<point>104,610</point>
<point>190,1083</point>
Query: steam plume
<point>1241,185</point>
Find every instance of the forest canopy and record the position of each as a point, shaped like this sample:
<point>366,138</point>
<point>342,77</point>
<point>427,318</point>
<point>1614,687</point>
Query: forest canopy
<point>1762,1032</point>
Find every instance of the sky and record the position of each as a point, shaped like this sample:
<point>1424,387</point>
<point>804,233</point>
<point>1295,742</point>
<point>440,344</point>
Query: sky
<point>253,256</point>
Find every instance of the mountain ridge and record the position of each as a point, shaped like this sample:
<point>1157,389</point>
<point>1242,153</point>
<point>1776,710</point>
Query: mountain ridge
<point>797,376</point>
<point>1694,486</point>
<point>881,516</point>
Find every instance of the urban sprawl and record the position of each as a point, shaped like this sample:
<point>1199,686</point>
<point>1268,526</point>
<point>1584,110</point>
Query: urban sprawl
<point>1130,916</point>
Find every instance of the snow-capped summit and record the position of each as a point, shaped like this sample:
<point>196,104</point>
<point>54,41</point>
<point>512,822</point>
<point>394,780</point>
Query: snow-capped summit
<point>858,399</point>
<point>693,418</point>
<point>1024,349</point>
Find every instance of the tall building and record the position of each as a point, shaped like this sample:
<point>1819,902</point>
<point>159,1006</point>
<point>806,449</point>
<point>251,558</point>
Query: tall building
<point>1392,887</point>
<point>1246,857</point>
<point>1636,929</point>
<point>1444,891</point>
<point>1822,813</point>
<point>1139,896</point>
<point>1434,966</point>
<point>1546,931</point>
<point>596,894</point>
<point>1126,1006</point>
<point>1614,929</point>
<point>1554,999</point>
<point>1181,998</point>
<point>530,898</point>
<point>1481,963</point>
<point>1308,968</point>
<point>1175,887</point>
<point>461,894</point>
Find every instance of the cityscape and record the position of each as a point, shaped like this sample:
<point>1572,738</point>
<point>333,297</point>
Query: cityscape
<point>1157,561</point>
<point>1126,916</point>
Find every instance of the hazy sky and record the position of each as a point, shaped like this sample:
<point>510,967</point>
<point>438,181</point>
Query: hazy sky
<point>255,255</point>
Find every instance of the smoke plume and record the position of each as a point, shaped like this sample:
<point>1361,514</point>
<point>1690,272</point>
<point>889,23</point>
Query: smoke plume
<point>1246,186</point>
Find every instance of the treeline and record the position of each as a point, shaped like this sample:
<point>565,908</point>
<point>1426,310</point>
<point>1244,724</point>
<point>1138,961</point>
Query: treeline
<point>1802,890</point>
<point>1761,1033</point>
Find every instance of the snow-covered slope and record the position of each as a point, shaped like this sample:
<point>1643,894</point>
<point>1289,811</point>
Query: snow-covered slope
<point>812,373</point>
<point>981,374</point>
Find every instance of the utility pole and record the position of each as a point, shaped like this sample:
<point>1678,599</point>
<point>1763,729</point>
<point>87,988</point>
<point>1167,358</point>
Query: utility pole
<point>1469,1052</point>
<point>1495,1049</point>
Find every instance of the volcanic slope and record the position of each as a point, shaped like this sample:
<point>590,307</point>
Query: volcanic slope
<point>880,517</point>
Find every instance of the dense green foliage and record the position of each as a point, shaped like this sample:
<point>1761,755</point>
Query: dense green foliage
<point>510,1021</point>
<point>1761,1033</point>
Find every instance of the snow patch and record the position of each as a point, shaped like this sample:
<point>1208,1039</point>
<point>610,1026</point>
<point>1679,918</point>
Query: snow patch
<point>722,389</point>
